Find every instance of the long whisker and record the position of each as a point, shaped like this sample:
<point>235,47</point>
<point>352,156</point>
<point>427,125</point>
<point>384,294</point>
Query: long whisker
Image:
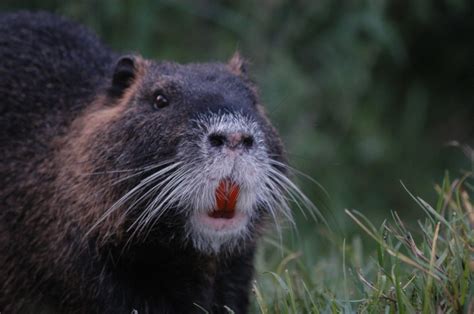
<point>145,182</point>
<point>134,191</point>
<point>169,184</point>
<point>290,187</point>
<point>139,172</point>
<point>300,173</point>
<point>152,213</point>
<point>150,191</point>
<point>277,196</point>
<point>270,208</point>
<point>290,193</point>
<point>144,168</point>
<point>179,190</point>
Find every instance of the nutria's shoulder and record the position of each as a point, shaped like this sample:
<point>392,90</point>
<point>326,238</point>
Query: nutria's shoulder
<point>47,32</point>
<point>48,62</point>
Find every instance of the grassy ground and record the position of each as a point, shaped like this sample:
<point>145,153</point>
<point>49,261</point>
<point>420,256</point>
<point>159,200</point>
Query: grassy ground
<point>385,269</point>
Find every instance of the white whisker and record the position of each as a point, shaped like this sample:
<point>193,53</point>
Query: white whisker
<point>298,194</point>
<point>134,191</point>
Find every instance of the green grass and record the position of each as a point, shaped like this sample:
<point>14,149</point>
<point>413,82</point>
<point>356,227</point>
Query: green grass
<point>392,268</point>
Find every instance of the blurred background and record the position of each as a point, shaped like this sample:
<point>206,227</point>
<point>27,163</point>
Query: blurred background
<point>365,93</point>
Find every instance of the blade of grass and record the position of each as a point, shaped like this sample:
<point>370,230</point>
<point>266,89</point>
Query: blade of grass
<point>260,301</point>
<point>290,291</point>
<point>398,255</point>
<point>426,304</point>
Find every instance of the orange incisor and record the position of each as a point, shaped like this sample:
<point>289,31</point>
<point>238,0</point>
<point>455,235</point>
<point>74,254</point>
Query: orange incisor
<point>226,198</point>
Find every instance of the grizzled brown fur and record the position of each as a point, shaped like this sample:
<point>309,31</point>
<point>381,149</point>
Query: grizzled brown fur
<point>73,114</point>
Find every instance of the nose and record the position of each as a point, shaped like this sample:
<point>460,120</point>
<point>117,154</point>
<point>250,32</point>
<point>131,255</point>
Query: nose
<point>233,140</point>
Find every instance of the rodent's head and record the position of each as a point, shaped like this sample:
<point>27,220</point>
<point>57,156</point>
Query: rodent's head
<point>194,156</point>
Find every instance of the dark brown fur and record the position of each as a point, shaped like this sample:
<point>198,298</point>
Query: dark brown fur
<point>70,117</point>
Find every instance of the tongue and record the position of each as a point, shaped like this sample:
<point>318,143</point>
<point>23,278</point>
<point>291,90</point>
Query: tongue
<point>226,198</point>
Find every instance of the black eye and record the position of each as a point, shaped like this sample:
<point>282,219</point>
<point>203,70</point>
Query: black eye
<point>160,101</point>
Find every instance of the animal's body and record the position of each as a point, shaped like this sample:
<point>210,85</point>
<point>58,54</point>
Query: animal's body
<point>127,184</point>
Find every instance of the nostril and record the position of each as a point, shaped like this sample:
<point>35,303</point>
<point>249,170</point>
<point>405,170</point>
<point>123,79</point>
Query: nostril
<point>231,140</point>
<point>216,140</point>
<point>247,141</point>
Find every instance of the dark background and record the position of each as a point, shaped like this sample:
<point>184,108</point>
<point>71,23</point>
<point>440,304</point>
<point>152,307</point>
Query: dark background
<point>364,93</point>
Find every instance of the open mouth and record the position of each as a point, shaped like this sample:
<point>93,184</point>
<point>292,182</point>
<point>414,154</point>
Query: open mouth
<point>225,217</point>
<point>227,193</point>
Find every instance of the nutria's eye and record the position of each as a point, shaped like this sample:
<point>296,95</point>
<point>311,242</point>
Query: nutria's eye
<point>160,101</point>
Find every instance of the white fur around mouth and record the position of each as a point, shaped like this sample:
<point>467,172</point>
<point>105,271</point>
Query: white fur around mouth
<point>237,222</point>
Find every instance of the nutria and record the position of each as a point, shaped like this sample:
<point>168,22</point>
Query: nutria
<point>126,183</point>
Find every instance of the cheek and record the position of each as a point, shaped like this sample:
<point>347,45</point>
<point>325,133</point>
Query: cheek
<point>121,145</point>
<point>273,142</point>
<point>144,142</point>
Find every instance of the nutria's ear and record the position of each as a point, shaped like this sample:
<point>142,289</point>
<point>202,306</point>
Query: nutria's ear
<point>237,64</point>
<point>125,72</point>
